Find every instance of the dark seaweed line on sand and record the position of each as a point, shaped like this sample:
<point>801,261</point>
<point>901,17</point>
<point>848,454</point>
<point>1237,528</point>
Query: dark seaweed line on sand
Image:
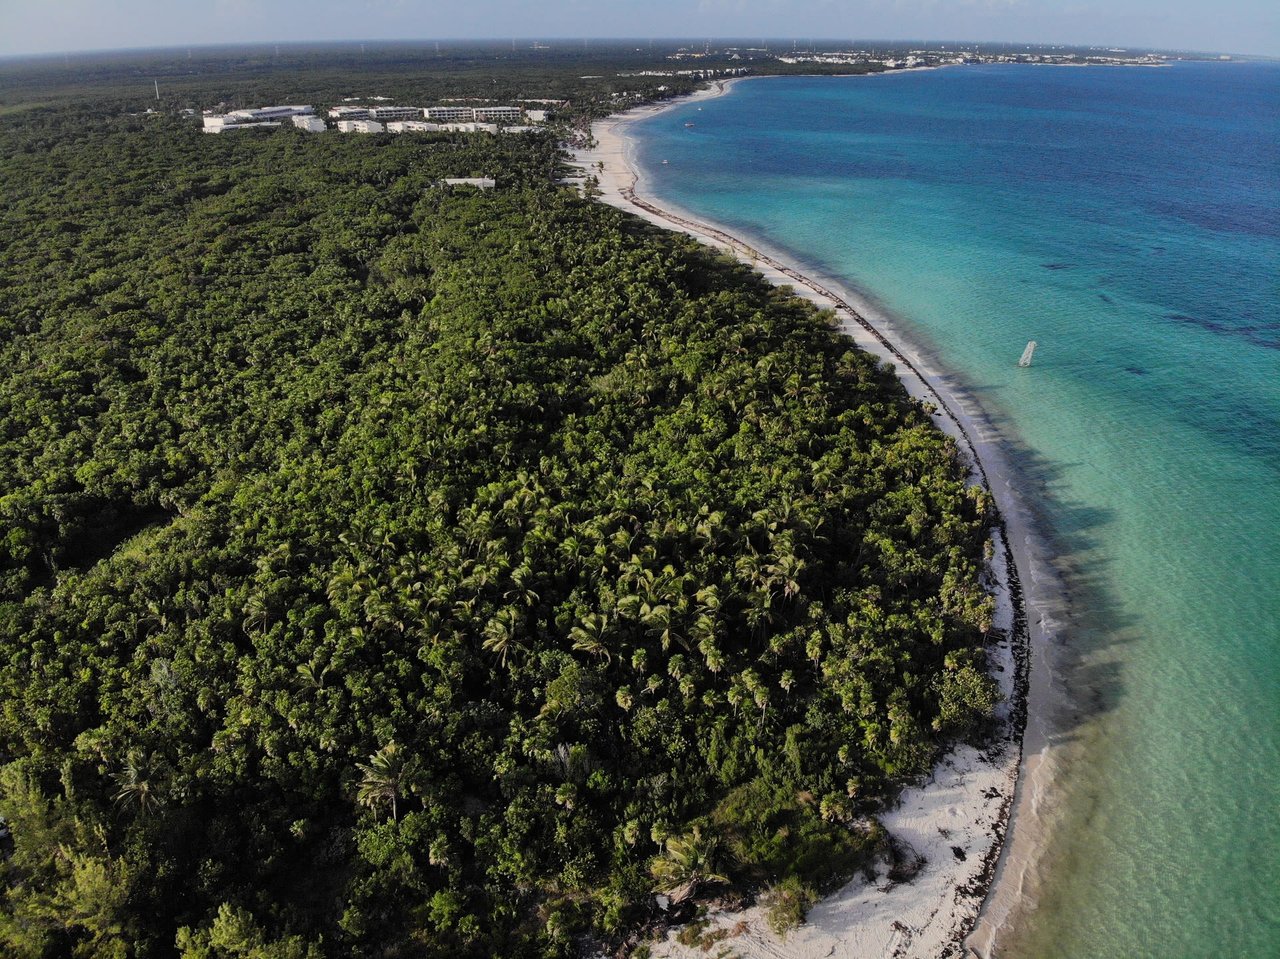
<point>1020,636</point>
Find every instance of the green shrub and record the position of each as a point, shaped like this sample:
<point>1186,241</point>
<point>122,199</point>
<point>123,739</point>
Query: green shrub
<point>786,905</point>
<point>775,835</point>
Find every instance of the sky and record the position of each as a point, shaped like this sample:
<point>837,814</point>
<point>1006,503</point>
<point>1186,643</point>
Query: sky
<point>55,26</point>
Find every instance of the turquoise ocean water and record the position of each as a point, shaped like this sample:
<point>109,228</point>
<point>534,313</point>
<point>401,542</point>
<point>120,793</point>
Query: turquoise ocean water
<point>1128,220</point>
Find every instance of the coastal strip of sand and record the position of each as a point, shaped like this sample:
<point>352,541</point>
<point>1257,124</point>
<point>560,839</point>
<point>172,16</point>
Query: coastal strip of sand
<point>972,828</point>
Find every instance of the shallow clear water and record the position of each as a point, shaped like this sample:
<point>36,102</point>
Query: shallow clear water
<point>1128,221</point>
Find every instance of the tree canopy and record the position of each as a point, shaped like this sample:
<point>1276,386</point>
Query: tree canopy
<point>390,570</point>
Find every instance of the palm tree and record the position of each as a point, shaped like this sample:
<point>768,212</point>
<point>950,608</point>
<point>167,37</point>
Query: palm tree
<point>625,698</point>
<point>135,786</point>
<point>382,779</point>
<point>657,619</point>
<point>688,862</point>
<point>257,613</point>
<point>590,636</point>
<point>521,576</point>
<point>713,656</point>
<point>785,571</point>
<point>500,633</point>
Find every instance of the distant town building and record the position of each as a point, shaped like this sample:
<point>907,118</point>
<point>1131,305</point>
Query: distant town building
<point>310,124</point>
<point>536,116</point>
<point>349,113</point>
<point>360,126</point>
<point>257,117</point>
<point>519,129</point>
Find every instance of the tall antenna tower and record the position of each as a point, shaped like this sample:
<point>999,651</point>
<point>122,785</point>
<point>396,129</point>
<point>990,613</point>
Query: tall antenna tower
<point>157,89</point>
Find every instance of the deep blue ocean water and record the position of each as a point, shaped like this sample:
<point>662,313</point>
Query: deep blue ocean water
<point>1128,220</point>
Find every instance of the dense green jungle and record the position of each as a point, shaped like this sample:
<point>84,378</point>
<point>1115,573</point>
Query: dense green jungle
<point>397,570</point>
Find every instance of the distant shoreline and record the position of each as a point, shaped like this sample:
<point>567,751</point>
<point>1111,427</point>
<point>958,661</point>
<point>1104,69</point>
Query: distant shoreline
<point>957,904</point>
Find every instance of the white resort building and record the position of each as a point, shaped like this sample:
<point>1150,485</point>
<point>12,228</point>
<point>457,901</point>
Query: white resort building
<point>449,114</point>
<point>412,126</point>
<point>257,117</point>
<point>354,118</point>
<point>360,126</point>
<point>469,127</point>
<point>497,114</point>
<point>479,182</point>
<point>383,114</point>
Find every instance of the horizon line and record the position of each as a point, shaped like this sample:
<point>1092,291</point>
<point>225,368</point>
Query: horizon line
<point>503,40</point>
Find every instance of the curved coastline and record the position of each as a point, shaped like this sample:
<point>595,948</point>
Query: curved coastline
<point>960,904</point>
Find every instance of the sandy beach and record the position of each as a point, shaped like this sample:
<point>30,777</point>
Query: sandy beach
<point>976,823</point>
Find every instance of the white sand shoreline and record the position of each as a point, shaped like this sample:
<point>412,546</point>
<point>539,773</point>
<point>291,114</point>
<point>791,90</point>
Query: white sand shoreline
<point>960,902</point>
